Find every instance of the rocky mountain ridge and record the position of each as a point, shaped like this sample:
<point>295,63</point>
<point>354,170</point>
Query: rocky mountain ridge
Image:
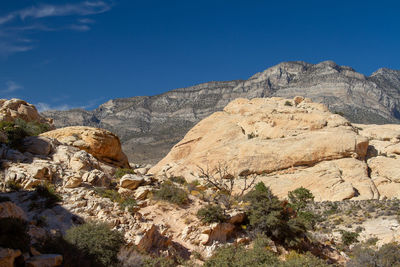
<point>150,125</point>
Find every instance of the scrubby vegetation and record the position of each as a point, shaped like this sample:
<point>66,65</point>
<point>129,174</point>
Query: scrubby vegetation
<point>13,186</point>
<point>17,130</point>
<point>260,255</point>
<point>171,193</point>
<point>123,201</point>
<point>386,256</point>
<point>46,193</point>
<point>96,240</point>
<point>122,171</point>
<point>211,213</point>
<point>274,218</point>
<point>13,234</point>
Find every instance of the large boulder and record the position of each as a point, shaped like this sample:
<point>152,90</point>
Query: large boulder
<point>9,209</point>
<point>101,143</point>
<point>131,181</point>
<point>264,135</point>
<point>38,145</point>
<point>19,109</point>
<point>7,256</point>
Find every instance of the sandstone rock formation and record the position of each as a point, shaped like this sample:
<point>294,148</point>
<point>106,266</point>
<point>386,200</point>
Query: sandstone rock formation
<point>289,144</point>
<point>17,108</point>
<point>102,144</point>
<point>150,125</point>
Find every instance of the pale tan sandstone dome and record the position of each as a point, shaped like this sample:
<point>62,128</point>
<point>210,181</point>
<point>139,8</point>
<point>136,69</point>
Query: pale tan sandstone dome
<point>289,143</point>
<point>17,108</point>
<point>102,144</point>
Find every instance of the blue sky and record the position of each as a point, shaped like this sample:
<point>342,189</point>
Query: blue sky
<point>66,54</point>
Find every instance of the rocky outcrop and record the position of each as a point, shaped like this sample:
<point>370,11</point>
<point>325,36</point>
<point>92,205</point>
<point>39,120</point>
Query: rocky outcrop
<point>101,143</point>
<point>9,209</point>
<point>150,125</point>
<point>289,144</point>
<point>13,109</point>
<point>8,256</point>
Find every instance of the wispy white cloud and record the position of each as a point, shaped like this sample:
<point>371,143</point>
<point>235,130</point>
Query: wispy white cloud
<point>15,26</point>
<point>79,28</point>
<point>41,106</point>
<point>43,11</point>
<point>11,87</point>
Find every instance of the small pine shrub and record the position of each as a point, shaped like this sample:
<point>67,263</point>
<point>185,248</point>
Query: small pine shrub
<point>13,234</point>
<point>274,218</point>
<point>300,197</point>
<point>97,240</point>
<point>122,171</point>
<point>211,214</point>
<point>171,193</point>
<point>129,203</point>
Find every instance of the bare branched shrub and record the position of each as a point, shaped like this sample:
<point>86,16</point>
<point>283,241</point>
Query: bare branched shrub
<point>223,181</point>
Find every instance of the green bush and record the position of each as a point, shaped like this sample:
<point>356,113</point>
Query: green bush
<point>97,240</point>
<point>238,256</point>
<point>17,130</point>
<point>122,171</point>
<point>387,256</point>
<point>48,193</point>
<point>302,260</point>
<point>211,214</point>
<point>272,217</point>
<point>300,197</point>
<point>13,234</point>
<point>349,238</point>
<point>71,253</point>
<point>171,193</point>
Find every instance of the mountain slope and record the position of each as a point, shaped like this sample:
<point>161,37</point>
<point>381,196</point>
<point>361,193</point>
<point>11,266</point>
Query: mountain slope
<point>150,125</point>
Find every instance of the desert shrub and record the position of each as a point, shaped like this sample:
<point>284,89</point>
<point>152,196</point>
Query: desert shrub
<point>159,262</point>
<point>349,238</point>
<point>178,179</point>
<point>171,193</point>
<point>288,103</point>
<point>387,256</point>
<point>71,253</point>
<point>238,256</point>
<point>4,199</point>
<point>97,240</point>
<point>122,171</point>
<point>48,193</point>
<point>13,186</point>
<point>299,198</point>
<point>17,130</point>
<point>272,217</point>
<point>129,203</point>
<point>13,234</point>
<point>114,196</point>
<point>300,260</point>
<point>211,214</point>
